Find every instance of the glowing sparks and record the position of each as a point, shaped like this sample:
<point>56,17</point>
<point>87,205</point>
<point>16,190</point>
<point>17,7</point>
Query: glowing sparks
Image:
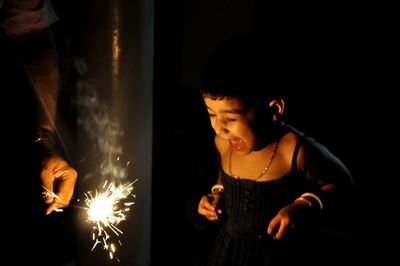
<point>106,210</point>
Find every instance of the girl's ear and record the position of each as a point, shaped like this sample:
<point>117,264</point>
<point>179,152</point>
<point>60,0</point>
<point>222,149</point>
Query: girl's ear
<point>277,106</point>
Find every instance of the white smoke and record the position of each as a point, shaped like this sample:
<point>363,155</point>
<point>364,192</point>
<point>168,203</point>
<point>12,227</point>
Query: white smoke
<point>101,128</point>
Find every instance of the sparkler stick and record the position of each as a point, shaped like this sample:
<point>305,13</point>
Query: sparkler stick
<point>48,193</point>
<point>216,215</point>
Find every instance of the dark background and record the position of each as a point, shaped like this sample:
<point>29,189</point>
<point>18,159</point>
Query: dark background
<point>338,61</point>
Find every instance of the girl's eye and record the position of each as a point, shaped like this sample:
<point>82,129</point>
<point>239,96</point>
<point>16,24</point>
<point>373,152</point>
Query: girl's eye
<point>230,119</point>
<point>211,115</point>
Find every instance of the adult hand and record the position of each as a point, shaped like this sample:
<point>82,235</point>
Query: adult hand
<point>59,179</point>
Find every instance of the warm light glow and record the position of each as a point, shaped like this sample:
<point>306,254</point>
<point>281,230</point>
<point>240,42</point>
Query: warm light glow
<point>116,46</point>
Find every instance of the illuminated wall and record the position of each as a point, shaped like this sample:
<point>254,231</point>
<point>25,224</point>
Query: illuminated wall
<point>114,119</point>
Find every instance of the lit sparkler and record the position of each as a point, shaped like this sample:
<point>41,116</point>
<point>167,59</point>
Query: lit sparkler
<point>106,210</point>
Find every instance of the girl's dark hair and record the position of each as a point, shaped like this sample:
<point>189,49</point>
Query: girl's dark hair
<point>237,68</point>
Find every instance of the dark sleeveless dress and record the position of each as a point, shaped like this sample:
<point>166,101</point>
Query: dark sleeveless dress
<point>249,207</point>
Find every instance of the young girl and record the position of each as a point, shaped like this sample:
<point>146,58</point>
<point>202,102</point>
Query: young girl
<point>273,179</point>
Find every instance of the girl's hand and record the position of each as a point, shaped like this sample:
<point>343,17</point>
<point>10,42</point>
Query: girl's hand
<point>209,206</point>
<point>288,218</point>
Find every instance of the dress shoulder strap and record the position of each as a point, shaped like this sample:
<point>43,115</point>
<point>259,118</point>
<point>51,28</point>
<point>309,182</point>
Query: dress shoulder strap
<point>300,139</point>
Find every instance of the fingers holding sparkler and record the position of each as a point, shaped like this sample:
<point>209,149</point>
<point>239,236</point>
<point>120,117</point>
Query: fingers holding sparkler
<point>57,175</point>
<point>209,207</point>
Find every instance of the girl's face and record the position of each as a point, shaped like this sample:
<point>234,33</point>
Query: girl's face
<point>231,122</point>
